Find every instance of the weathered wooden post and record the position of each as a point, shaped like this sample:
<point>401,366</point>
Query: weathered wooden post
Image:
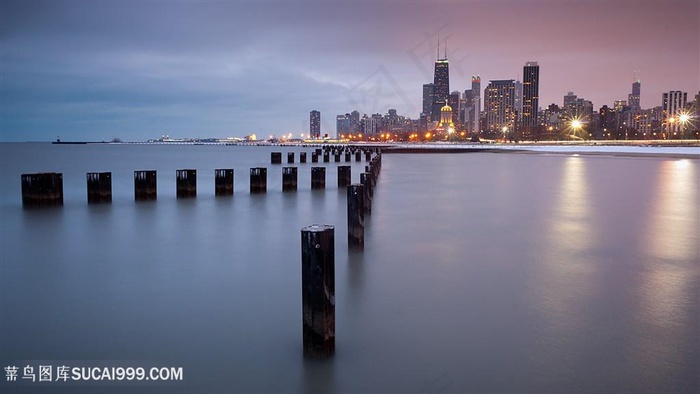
<point>290,157</point>
<point>326,157</point>
<point>276,157</point>
<point>314,157</point>
<point>366,180</point>
<point>258,180</point>
<point>356,216</point>
<point>42,189</point>
<point>145,185</point>
<point>318,290</point>
<point>99,187</point>
<point>347,156</point>
<point>337,157</point>
<point>223,182</point>
<point>186,183</point>
<point>302,157</point>
<point>319,151</point>
<point>368,155</point>
<point>318,177</point>
<point>289,179</point>
<point>344,176</point>
<point>358,156</point>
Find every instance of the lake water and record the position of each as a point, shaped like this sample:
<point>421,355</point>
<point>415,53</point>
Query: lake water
<point>482,272</point>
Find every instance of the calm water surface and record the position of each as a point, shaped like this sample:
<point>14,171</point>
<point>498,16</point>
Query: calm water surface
<point>483,272</point>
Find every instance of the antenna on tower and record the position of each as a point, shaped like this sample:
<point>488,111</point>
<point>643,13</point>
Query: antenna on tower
<point>438,47</point>
<point>445,48</point>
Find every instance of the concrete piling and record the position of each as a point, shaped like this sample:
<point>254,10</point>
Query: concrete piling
<point>366,181</point>
<point>99,187</point>
<point>42,189</point>
<point>318,290</point>
<point>186,183</point>
<point>318,177</point>
<point>356,216</point>
<point>344,176</point>
<point>258,180</point>
<point>289,179</point>
<point>145,185</point>
<point>223,182</point>
<point>276,157</point>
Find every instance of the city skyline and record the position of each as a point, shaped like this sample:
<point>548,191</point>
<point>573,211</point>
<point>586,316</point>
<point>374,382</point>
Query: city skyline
<point>206,70</point>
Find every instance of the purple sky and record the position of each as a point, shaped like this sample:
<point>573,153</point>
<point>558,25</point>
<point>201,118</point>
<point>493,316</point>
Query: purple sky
<point>95,70</point>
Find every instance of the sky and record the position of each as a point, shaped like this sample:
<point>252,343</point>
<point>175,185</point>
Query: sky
<point>97,70</point>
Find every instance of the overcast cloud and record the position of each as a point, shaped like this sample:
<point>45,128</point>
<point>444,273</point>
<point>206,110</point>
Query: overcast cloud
<point>94,70</point>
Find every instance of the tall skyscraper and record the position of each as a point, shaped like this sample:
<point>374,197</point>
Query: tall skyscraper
<point>453,101</point>
<point>476,91</point>
<point>315,124</point>
<point>499,104</point>
<point>428,99</point>
<point>441,82</point>
<point>531,96</point>
<point>673,105</point>
<point>633,99</point>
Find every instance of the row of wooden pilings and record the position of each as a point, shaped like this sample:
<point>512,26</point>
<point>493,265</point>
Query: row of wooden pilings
<point>46,189</point>
<point>343,151</point>
<point>317,241</point>
<point>318,265</point>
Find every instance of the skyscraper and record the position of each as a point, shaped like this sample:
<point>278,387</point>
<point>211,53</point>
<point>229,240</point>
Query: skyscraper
<point>499,104</point>
<point>476,91</point>
<point>453,101</point>
<point>315,124</point>
<point>441,82</point>
<point>633,99</point>
<point>531,82</point>
<point>428,99</point>
<point>673,104</point>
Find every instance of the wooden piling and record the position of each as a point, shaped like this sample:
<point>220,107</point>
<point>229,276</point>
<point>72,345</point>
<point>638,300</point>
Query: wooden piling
<point>258,180</point>
<point>368,155</point>
<point>186,183</point>
<point>326,157</point>
<point>344,176</point>
<point>223,182</point>
<point>356,216</point>
<point>99,187</point>
<point>358,156</point>
<point>290,157</point>
<point>302,157</point>
<point>145,185</point>
<point>366,180</point>
<point>347,156</point>
<point>276,157</point>
<point>42,189</point>
<point>289,179</point>
<point>318,290</point>
<point>318,177</point>
<point>336,157</point>
<point>314,157</point>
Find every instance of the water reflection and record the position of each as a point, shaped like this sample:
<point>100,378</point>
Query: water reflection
<point>675,211</point>
<point>565,272</point>
<point>667,292</point>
